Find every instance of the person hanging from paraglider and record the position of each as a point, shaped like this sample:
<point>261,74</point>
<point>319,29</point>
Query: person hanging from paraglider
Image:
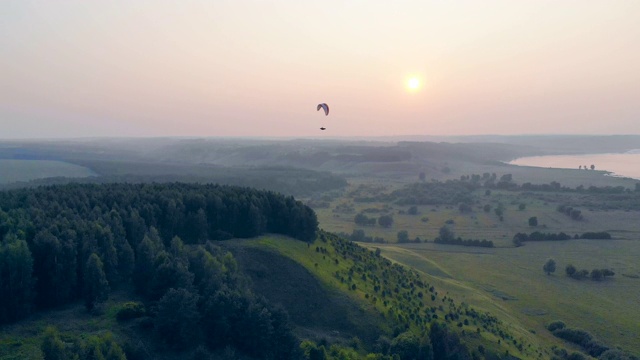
<point>324,107</point>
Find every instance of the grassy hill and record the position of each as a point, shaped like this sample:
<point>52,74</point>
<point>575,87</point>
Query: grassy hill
<point>330,294</point>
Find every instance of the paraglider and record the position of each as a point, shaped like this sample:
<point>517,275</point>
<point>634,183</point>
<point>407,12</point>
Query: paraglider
<point>324,107</point>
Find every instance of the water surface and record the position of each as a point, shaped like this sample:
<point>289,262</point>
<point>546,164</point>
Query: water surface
<point>625,165</point>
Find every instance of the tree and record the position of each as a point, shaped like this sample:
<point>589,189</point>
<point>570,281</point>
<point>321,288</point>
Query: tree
<point>464,208</point>
<point>16,282</point>
<point>357,235</point>
<point>96,287</point>
<point>446,234</point>
<point>596,274</point>
<point>533,221</point>
<point>177,317</point>
<point>413,210</point>
<point>593,167</point>
<point>550,266</point>
<point>522,207</point>
<point>570,270</point>
<point>362,219</point>
<point>52,347</point>
<point>403,236</point>
<point>385,221</point>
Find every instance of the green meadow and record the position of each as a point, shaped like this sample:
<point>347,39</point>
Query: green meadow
<point>508,280</point>
<point>26,170</point>
<point>512,279</point>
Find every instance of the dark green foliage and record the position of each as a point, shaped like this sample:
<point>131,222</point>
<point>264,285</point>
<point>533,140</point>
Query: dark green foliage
<point>129,228</point>
<point>385,221</point>
<point>96,286</point>
<point>583,339</point>
<point>615,354</point>
<point>16,282</point>
<point>549,267</point>
<point>177,317</point>
<point>445,234</point>
<point>596,274</point>
<point>539,236</point>
<point>448,237</point>
<point>446,344</point>
<point>103,347</point>
<point>555,325</point>
<point>131,310</point>
<point>52,347</point>
<point>533,221</point>
<point>403,236</point>
<point>577,356</point>
<point>364,220</point>
<point>409,346</point>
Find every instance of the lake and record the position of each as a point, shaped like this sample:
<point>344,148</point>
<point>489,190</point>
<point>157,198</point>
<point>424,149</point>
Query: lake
<point>625,165</point>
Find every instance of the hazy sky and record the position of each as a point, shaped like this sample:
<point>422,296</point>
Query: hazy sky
<point>73,68</point>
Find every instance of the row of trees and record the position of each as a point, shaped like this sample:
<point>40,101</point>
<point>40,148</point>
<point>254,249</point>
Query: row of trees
<point>575,214</point>
<point>447,236</point>
<point>595,274</point>
<point>520,238</point>
<point>61,243</point>
<point>549,267</point>
<point>364,220</point>
<point>588,342</point>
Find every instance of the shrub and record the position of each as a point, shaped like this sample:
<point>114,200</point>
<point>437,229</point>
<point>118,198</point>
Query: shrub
<point>555,325</point>
<point>131,310</point>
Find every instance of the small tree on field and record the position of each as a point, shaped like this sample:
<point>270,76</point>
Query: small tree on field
<point>596,274</point>
<point>533,221</point>
<point>446,234</point>
<point>570,270</point>
<point>403,236</point>
<point>549,267</point>
<point>522,207</point>
<point>385,221</point>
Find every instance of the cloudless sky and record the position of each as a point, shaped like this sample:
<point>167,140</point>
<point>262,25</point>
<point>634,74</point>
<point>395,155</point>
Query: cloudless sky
<point>73,68</point>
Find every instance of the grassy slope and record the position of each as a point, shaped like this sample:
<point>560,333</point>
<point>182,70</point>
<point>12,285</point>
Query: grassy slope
<point>23,339</point>
<point>325,271</point>
<point>318,311</point>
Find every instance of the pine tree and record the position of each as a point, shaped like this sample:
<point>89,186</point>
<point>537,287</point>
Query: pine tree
<point>96,287</point>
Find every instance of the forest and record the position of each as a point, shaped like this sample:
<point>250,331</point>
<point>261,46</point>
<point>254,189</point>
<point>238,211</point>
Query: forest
<point>56,230</point>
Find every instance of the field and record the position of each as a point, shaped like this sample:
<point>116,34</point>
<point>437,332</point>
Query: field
<point>508,280</point>
<point>513,280</point>
<point>25,170</point>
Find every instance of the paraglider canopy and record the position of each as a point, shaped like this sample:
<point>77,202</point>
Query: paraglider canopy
<point>325,107</point>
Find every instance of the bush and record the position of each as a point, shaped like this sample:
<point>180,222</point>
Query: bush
<point>555,325</point>
<point>131,310</point>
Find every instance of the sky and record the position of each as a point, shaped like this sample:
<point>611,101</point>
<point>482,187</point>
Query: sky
<point>82,68</point>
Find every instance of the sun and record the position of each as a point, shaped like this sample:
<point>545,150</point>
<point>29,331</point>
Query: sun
<point>413,84</point>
